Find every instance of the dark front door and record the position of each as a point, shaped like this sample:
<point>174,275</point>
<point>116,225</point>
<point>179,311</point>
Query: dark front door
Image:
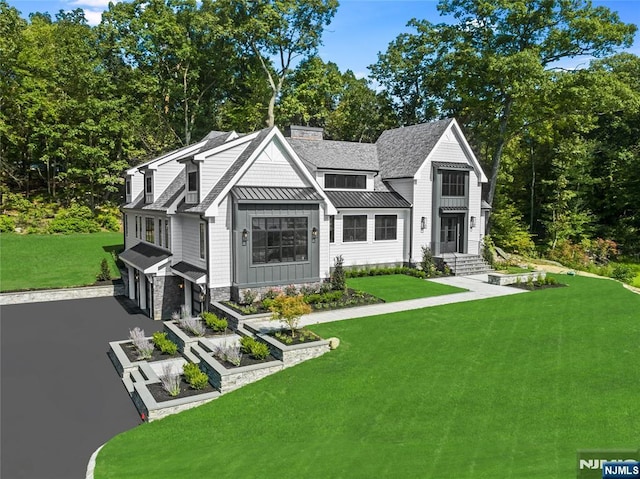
<point>149,297</point>
<point>451,234</point>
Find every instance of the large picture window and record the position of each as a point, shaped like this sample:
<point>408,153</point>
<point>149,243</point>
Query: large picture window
<point>453,183</point>
<point>351,182</point>
<point>149,236</point>
<point>354,228</point>
<point>279,240</point>
<point>386,227</point>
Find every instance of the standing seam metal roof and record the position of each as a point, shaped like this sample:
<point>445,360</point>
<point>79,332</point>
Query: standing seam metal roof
<point>264,193</point>
<point>367,199</point>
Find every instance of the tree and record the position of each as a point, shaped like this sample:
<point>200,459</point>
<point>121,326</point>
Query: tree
<point>276,30</point>
<point>493,66</point>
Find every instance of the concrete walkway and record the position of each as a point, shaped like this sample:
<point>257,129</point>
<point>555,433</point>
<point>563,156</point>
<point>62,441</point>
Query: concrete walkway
<point>477,286</point>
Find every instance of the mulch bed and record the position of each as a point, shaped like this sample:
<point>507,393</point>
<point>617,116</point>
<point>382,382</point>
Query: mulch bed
<point>156,355</point>
<point>296,340</point>
<point>160,395</point>
<point>209,333</point>
<point>246,361</point>
<point>536,286</point>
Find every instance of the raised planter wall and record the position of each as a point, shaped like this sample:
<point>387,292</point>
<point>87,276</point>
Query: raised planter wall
<point>294,354</point>
<point>41,296</point>
<point>501,279</point>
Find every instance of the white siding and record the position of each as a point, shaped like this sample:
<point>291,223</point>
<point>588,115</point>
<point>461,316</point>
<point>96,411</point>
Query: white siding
<point>325,248</point>
<point>130,239</point>
<point>422,207</point>
<point>191,241</point>
<point>137,180</point>
<point>177,227</point>
<point>272,168</point>
<point>404,187</point>
<point>371,251</point>
<point>213,167</point>
<point>475,203</point>
<point>220,247</point>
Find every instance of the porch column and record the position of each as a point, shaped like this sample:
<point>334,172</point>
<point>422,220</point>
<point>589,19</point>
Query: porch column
<point>132,283</point>
<point>143,291</point>
<point>187,296</point>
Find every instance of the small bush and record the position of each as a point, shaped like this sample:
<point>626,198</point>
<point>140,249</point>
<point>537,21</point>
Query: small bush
<point>108,221</point>
<point>338,278</point>
<point>170,380</point>
<point>254,348</point>
<point>283,338</point>
<point>245,344</point>
<point>192,325</point>
<point>271,293</point>
<point>623,273</point>
<point>7,224</point>
<point>105,271</point>
<point>426,263</point>
<point>291,290</point>
<point>164,344</point>
<point>249,297</point>
<point>228,352</point>
<point>289,309</point>
<point>143,346</point>
<point>194,376</point>
<point>75,219</point>
<point>214,322</point>
<point>307,290</point>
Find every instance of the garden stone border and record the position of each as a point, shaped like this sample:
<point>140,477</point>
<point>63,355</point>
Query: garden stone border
<point>501,279</point>
<point>45,295</point>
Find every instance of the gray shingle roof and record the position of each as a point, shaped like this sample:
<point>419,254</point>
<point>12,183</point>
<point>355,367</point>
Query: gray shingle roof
<point>261,193</point>
<point>229,174</point>
<point>367,199</point>
<point>338,155</point>
<point>402,151</point>
<point>144,255</point>
<point>190,271</point>
<point>164,201</point>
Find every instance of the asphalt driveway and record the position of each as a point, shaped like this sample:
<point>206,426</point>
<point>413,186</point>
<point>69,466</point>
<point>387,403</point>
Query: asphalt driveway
<point>60,396</point>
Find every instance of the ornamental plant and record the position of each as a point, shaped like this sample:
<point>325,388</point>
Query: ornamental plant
<point>194,376</point>
<point>213,321</point>
<point>141,343</point>
<point>164,344</point>
<point>170,380</point>
<point>193,325</point>
<point>289,309</point>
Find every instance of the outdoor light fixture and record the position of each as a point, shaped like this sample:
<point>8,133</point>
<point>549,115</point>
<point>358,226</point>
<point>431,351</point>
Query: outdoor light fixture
<point>423,224</point>
<point>245,236</point>
<point>473,222</point>
<point>181,285</point>
<point>314,234</point>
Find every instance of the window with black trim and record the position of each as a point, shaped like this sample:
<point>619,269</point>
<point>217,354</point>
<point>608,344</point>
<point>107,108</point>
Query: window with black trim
<point>386,227</point>
<point>149,234</point>
<point>203,241</point>
<point>166,234</point>
<point>279,240</point>
<point>136,218</point>
<point>128,186</point>
<point>354,228</point>
<point>332,229</point>
<point>160,231</point>
<point>351,182</point>
<point>192,181</point>
<point>453,183</point>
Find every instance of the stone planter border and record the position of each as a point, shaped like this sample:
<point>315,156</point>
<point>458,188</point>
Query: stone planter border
<point>501,279</point>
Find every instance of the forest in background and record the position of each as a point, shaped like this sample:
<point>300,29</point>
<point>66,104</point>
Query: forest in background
<point>79,104</point>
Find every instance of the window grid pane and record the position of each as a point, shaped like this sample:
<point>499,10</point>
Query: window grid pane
<point>149,237</point>
<point>453,183</point>
<point>354,228</point>
<point>386,227</point>
<point>279,240</point>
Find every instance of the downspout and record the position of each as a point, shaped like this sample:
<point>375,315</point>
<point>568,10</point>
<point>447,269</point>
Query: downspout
<point>411,262</point>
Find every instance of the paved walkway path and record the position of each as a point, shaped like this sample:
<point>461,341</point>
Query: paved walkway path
<point>477,286</point>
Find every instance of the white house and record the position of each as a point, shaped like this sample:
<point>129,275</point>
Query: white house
<point>233,211</point>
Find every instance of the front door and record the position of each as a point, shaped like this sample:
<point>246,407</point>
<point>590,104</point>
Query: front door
<point>451,234</point>
<point>149,297</point>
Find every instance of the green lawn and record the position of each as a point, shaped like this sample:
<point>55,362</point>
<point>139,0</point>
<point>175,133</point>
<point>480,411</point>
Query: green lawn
<point>399,287</point>
<point>54,261</point>
<point>504,388</point>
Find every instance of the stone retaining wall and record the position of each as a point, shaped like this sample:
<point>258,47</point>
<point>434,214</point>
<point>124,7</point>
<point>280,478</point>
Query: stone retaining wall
<point>45,295</point>
<point>506,279</point>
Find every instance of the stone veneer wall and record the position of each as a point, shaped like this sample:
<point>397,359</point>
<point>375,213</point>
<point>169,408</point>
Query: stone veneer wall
<point>167,296</point>
<point>220,294</point>
<point>237,293</point>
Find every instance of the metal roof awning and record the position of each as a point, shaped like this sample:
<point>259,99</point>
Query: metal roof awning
<point>145,257</point>
<point>252,194</point>
<point>450,165</point>
<point>190,272</point>
<point>367,199</point>
<point>453,209</point>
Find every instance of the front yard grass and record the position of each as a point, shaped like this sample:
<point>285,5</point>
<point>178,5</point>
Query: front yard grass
<point>507,387</point>
<point>54,261</point>
<point>400,287</point>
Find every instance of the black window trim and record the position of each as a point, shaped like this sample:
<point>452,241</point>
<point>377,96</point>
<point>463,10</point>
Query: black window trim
<point>345,228</point>
<point>344,177</point>
<point>255,264</point>
<point>386,228</point>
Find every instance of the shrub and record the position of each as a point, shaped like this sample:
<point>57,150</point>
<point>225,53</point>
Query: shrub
<point>194,376</point>
<point>307,290</point>
<point>214,322</point>
<point>249,297</point>
<point>108,221</point>
<point>267,303</point>
<point>488,251</point>
<point>228,352</point>
<point>254,348</point>
<point>338,279</point>
<point>426,263</point>
<point>291,290</point>
<point>623,273</point>
<point>289,309</point>
<point>7,224</point>
<point>75,219</point>
<point>170,380</point>
<point>105,271</point>
<point>245,344</point>
<point>143,346</point>
<point>283,338</point>
<point>193,325</point>
<point>164,344</point>
<point>271,293</point>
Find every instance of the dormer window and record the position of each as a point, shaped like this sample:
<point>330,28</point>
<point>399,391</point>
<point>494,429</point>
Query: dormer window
<point>192,187</point>
<point>127,189</point>
<point>347,182</point>
<point>148,189</point>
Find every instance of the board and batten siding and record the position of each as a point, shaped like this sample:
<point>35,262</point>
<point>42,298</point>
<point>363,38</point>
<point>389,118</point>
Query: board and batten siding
<point>273,168</point>
<point>372,252</point>
<point>220,247</point>
<point>191,241</point>
<point>213,167</point>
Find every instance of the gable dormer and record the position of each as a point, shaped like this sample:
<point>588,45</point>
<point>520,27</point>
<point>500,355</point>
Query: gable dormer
<point>192,181</point>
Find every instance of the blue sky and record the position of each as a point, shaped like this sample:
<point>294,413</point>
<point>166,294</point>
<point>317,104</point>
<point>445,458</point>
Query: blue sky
<point>360,29</point>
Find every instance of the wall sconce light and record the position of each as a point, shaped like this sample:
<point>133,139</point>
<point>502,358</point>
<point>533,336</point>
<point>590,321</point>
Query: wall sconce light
<point>181,285</point>
<point>136,276</point>
<point>245,236</point>
<point>314,234</point>
<point>423,224</point>
<point>473,222</point>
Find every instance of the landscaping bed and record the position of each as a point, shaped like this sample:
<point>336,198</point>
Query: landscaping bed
<point>133,355</point>
<point>287,338</point>
<point>159,394</point>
